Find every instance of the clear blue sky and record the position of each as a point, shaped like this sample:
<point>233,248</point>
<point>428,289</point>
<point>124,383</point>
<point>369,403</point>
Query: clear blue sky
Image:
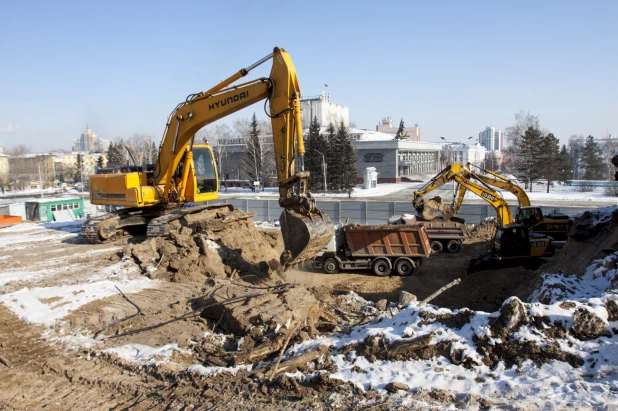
<point>451,66</point>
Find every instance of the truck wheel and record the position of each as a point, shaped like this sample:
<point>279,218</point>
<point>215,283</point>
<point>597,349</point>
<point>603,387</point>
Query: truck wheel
<point>404,267</point>
<point>453,246</point>
<point>381,268</point>
<point>331,266</point>
<point>436,246</point>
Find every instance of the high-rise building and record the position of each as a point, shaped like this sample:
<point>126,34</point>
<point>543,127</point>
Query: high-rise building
<point>413,133</point>
<point>324,110</point>
<point>491,139</point>
<point>89,142</point>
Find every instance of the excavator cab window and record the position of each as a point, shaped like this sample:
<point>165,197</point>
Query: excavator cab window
<point>512,242</point>
<point>205,174</point>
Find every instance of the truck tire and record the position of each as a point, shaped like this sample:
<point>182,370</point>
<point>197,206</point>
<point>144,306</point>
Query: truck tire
<point>404,266</point>
<point>330,266</point>
<point>436,246</point>
<point>453,246</point>
<point>381,268</point>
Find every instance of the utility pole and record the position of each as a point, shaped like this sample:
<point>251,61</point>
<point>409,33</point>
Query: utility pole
<point>41,176</point>
<point>323,168</point>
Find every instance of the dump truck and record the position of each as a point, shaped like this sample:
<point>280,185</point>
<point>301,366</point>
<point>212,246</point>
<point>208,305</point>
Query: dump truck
<point>381,248</point>
<point>444,235</point>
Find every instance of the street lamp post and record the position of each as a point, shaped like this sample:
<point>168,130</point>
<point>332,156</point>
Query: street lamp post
<point>323,167</point>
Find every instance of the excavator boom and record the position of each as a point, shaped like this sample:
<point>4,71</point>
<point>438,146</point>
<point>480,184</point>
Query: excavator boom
<point>184,173</point>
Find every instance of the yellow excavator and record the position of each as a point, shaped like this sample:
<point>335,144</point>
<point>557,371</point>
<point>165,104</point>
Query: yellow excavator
<point>155,196</point>
<point>555,225</point>
<point>511,241</point>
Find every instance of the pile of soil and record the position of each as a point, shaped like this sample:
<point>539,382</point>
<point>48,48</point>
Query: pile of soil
<point>481,232</point>
<point>206,248</point>
<point>593,235</point>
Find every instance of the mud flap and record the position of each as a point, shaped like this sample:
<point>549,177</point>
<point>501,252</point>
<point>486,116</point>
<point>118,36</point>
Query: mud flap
<point>304,237</point>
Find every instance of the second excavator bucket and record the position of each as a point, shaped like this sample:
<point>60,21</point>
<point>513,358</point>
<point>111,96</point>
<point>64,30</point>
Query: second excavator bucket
<point>433,208</point>
<point>303,236</point>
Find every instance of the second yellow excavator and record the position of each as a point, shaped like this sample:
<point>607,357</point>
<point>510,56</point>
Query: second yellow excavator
<point>153,196</point>
<point>512,242</point>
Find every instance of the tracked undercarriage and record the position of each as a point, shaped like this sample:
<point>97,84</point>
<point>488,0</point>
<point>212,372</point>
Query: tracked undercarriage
<point>304,236</point>
<point>152,221</point>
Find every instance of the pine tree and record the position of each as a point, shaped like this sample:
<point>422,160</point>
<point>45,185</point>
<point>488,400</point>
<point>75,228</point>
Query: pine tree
<point>347,160</point>
<point>591,161</point>
<point>550,156</point>
<point>313,158</point>
<point>100,162</point>
<point>529,165</point>
<point>254,158</point>
<point>565,166</point>
<point>332,158</point>
<point>77,173</point>
<point>115,154</point>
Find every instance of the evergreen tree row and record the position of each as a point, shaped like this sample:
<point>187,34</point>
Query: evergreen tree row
<point>333,150</point>
<point>539,156</point>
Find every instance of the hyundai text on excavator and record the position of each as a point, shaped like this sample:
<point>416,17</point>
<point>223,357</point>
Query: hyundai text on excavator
<point>153,196</point>
<point>511,242</point>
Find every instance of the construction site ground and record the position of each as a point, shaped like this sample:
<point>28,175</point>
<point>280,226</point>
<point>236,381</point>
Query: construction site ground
<point>57,293</point>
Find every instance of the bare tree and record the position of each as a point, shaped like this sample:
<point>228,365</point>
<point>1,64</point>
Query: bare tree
<point>18,150</point>
<point>219,138</point>
<point>523,121</point>
<point>142,148</point>
<point>259,156</point>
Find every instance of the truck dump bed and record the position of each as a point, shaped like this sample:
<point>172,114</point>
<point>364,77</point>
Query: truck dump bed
<point>388,240</point>
<point>441,229</point>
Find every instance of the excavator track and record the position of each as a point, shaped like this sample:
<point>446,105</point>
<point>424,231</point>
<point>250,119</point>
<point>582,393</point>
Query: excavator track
<point>155,222</point>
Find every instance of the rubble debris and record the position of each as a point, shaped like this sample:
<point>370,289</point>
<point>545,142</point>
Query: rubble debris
<point>382,304</point>
<point>512,316</point>
<point>204,248</point>
<point>406,297</point>
<point>393,387</point>
<point>587,325</point>
<point>266,311</point>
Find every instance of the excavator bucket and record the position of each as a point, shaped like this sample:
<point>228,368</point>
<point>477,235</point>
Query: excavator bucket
<point>303,236</point>
<point>433,208</point>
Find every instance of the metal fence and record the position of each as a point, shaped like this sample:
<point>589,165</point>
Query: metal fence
<point>362,212</point>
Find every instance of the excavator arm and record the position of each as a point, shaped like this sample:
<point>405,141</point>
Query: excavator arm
<point>427,210</point>
<point>460,174</point>
<point>304,227</point>
<point>503,211</point>
<point>497,180</point>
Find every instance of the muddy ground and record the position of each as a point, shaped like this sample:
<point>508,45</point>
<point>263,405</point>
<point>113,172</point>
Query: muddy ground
<point>45,373</point>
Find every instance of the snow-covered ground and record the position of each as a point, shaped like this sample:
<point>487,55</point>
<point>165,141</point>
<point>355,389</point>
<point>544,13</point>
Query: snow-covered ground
<point>529,385</point>
<point>558,193</point>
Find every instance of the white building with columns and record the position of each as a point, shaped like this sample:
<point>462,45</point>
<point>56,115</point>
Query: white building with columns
<point>324,110</point>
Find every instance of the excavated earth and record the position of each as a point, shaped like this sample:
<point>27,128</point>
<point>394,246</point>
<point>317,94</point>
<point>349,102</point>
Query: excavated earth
<point>225,302</point>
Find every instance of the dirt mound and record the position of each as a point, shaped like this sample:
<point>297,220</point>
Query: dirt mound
<point>481,232</point>
<point>201,249</point>
<point>592,236</point>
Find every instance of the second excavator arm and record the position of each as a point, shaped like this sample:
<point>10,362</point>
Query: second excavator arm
<point>503,211</point>
<point>497,180</point>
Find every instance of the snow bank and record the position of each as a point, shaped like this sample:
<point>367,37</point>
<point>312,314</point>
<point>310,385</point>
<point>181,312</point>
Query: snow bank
<point>47,304</point>
<point>145,354</point>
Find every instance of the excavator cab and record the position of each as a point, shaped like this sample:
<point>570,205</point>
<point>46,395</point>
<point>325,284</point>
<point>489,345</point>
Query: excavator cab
<point>201,175</point>
<point>529,216</point>
<point>515,241</point>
